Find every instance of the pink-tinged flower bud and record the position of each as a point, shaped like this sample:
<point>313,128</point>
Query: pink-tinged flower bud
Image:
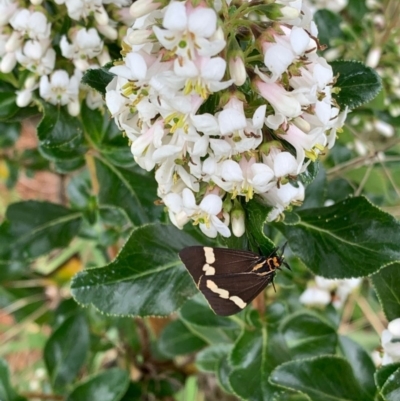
<point>237,70</point>
<point>143,7</point>
<point>8,63</point>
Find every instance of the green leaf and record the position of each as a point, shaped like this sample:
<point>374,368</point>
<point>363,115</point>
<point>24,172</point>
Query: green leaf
<point>328,24</point>
<point>352,238</point>
<point>106,137</point>
<point>98,78</point>
<point>362,365</point>
<point>257,214</point>
<point>307,335</point>
<point>110,385</point>
<point>60,134</point>
<point>224,369</point>
<point>134,191</point>
<point>146,279</point>
<point>316,191</point>
<point>8,107</point>
<point>209,358</point>
<point>383,374</point>
<point>65,351</point>
<point>177,339</point>
<point>391,389</point>
<point>255,355</point>
<point>323,378</point>
<point>7,393</point>
<point>36,228</point>
<point>358,83</point>
<point>386,283</point>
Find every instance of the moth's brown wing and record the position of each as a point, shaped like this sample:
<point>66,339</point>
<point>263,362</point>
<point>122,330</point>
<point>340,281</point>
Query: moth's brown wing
<point>221,261</point>
<point>228,294</point>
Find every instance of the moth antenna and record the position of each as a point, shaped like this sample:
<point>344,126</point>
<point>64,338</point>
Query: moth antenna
<point>286,265</point>
<point>283,247</point>
<point>273,285</point>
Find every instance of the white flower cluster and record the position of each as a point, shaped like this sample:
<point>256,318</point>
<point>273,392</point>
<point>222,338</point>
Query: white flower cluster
<point>223,105</point>
<point>325,291</point>
<point>28,39</point>
<point>391,342</point>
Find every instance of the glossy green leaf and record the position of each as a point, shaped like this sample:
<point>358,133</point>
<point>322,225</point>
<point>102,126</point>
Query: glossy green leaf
<point>255,354</point>
<point>110,385</point>
<point>66,350</point>
<point>8,107</point>
<point>132,190</point>
<point>147,277</point>
<point>209,358</point>
<point>386,283</point>
<point>328,24</point>
<point>177,339</point>
<point>57,127</point>
<point>224,369</point>
<point>315,192</point>
<point>383,374</point>
<point>36,228</point>
<point>358,83</point>
<point>362,365</point>
<point>7,393</point>
<point>391,389</point>
<point>256,217</point>
<point>307,335</point>
<point>321,379</point>
<point>352,238</point>
<point>98,78</point>
<point>106,137</point>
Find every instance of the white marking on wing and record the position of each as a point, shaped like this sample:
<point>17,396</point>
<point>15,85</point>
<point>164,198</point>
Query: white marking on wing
<point>214,288</point>
<point>209,254</point>
<point>209,270</point>
<point>238,301</point>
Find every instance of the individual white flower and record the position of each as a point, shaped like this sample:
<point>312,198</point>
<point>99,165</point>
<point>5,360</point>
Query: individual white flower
<point>33,24</point>
<point>206,213</point>
<point>203,75</point>
<point>86,44</point>
<point>188,32</point>
<point>37,56</point>
<point>246,177</point>
<point>60,89</point>
<point>391,342</point>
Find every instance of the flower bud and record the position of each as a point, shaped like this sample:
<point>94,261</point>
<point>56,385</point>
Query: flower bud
<point>108,31</point>
<point>101,16</point>
<point>14,42</point>
<point>74,108</point>
<point>36,2</point>
<point>315,297</point>
<point>237,70</point>
<point>373,57</point>
<point>24,97</point>
<point>8,63</point>
<point>143,7</point>
<point>238,220</point>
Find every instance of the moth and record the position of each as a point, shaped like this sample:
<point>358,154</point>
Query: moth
<point>230,279</point>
